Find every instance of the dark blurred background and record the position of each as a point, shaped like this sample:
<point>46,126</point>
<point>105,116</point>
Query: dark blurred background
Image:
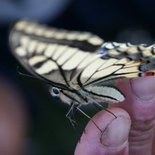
<point>31,121</point>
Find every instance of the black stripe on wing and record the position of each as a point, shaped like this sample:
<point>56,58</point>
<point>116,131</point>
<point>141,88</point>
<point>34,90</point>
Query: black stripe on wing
<point>82,40</point>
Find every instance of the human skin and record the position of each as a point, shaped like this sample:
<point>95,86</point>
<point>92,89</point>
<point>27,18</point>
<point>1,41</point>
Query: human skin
<point>13,119</point>
<point>132,132</point>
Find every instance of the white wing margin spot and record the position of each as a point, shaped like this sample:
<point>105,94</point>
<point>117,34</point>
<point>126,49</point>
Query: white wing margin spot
<point>36,59</point>
<point>47,66</point>
<point>20,51</point>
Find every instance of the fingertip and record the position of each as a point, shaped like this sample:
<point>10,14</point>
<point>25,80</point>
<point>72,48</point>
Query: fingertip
<point>114,133</point>
<point>141,88</point>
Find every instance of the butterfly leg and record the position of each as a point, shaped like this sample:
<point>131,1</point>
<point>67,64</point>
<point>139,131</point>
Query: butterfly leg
<point>80,110</point>
<point>70,115</point>
<point>101,107</point>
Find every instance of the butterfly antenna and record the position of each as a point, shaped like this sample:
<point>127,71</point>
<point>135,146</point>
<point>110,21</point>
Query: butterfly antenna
<point>23,74</point>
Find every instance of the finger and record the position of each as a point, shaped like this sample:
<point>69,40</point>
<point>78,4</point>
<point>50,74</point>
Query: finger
<point>13,119</point>
<point>113,140</point>
<point>140,104</point>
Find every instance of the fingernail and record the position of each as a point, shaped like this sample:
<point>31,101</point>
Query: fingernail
<point>116,132</point>
<point>143,88</point>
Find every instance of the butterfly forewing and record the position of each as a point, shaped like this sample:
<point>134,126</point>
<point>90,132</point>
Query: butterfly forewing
<point>53,54</point>
<point>77,60</point>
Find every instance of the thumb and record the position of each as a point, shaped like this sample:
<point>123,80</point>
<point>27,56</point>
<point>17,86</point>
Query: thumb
<point>113,140</point>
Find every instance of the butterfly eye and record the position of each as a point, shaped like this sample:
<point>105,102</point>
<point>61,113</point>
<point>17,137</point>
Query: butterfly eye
<point>55,92</point>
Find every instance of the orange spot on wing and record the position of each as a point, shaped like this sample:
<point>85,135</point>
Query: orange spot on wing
<point>148,74</point>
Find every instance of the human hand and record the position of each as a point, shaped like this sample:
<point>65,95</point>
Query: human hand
<point>13,119</point>
<point>132,132</point>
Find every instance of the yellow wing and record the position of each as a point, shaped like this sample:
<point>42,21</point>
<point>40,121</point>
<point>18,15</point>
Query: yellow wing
<point>72,59</point>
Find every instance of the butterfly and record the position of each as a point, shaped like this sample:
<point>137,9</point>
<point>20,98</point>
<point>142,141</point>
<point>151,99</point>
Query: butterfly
<point>79,66</point>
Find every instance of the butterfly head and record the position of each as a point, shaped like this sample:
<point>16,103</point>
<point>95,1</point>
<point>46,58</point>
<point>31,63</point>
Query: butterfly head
<point>55,92</point>
<point>61,93</point>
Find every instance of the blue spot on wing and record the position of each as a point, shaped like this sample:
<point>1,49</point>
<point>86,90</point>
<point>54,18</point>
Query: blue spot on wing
<point>143,68</point>
<point>102,51</point>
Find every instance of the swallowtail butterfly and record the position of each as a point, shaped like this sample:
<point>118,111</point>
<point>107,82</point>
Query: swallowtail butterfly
<point>79,66</point>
